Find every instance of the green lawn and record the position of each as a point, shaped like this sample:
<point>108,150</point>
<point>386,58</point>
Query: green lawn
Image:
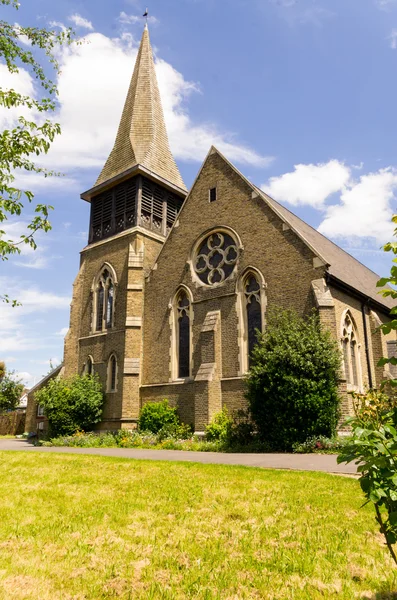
<point>83,527</point>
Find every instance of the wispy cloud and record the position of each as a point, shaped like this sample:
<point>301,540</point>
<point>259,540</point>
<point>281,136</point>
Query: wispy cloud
<point>92,87</point>
<point>80,21</point>
<point>352,207</point>
<point>393,39</point>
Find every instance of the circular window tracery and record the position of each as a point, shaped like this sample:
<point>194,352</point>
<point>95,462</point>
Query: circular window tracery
<point>216,258</point>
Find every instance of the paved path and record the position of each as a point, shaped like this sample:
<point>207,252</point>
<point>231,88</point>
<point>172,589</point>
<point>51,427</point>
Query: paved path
<point>300,462</point>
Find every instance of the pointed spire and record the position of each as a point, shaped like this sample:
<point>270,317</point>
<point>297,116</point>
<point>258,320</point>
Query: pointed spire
<point>142,136</point>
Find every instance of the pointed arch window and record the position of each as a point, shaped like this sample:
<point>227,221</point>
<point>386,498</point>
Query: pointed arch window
<point>104,296</point>
<point>183,335</point>
<point>89,366</point>
<point>252,302</point>
<point>351,353</point>
<point>252,296</point>
<point>112,374</point>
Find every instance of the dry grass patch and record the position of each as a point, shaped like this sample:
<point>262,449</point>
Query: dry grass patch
<point>88,528</point>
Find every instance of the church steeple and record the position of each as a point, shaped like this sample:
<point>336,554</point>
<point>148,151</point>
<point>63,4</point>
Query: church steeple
<point>142,136</point>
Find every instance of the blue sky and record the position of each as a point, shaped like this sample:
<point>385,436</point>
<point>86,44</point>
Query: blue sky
<point>299,94</point>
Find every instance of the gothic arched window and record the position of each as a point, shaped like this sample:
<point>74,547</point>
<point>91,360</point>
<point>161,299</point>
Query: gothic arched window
<point>89,366</point>
<point>112,374</point>
<point>252,297</point>
<point>350,349</point>
<point>251,302</point>
<point>181,339</point>
<point>104,289</point>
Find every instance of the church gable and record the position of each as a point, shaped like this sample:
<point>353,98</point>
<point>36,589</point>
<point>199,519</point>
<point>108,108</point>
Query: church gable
<point>222,220</point>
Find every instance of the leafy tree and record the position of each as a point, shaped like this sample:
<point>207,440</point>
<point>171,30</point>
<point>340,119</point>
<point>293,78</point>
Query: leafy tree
<point>2,369</point>
<point>374,446</point>
<point>293,383</point>
<point>156,415</point>
<point>71,404</point>
<point>392,293</point>
<point>18,48</point>
<point>11,390</point>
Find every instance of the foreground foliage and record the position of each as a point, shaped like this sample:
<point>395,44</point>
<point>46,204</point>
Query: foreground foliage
<point>153,416</point>
<point>293,383</point>
<point>11,389</point>
<point>71,404</point>
<point>20,47</point>
<point>93,528</point>
<point>374,446</point>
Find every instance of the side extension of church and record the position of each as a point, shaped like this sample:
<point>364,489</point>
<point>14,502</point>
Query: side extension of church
<point>173,286</point>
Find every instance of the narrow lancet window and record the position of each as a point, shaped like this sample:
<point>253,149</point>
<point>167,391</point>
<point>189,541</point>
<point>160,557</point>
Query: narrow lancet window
<point>350,350</point>
<point>252,293</point>
<point>104,293</point>
<point>112,374</point>
<point>183,334</point>
<point>89,366</point>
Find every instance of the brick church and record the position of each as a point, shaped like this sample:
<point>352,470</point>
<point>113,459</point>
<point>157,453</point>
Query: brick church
<point>173,284</point>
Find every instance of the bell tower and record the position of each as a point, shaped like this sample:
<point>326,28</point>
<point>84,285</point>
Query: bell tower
<point>133,205</point>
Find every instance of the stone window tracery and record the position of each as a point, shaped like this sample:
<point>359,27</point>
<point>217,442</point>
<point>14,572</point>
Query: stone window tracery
<point>252,293</point>
<point>216,258</point>
<point>251,309</point>
<point>104,296</point>
<point>183,334</point>
<point>351,354</point>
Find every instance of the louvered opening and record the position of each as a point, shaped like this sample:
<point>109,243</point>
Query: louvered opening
<point>130,200</point>
<point>113,211</point>
<point>147,203</point>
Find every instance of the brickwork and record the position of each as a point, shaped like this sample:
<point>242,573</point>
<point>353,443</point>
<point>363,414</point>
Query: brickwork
<point>131,256</point>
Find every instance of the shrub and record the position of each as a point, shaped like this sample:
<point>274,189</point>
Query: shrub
<point>293,383</point>
<point>71,404</point>
<point>320,444</point>
<point>220,427</point>
<point>374,447</point>
<point>155,415</point>
<point>11,389</point>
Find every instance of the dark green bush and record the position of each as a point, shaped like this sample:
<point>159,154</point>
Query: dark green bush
<point>155,415</point>
<point>71,404</point>
<point>293,383</point>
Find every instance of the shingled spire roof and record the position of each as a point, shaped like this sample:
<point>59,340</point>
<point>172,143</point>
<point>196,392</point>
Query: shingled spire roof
<point>142,136</point>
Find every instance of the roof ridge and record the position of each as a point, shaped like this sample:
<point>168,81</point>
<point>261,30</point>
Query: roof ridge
<point>317,232</point>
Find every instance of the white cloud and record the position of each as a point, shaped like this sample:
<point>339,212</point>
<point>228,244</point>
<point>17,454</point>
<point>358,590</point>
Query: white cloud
<point>28,257</point>
<point>385,4</point>
<point>365,208</point>
<point>80,21</point>
<point>309,184</point>
<point>393,39</point>
<point>128,19</point>
<point>63,331</point>
<point>15,332</point>
<point>92,88</point>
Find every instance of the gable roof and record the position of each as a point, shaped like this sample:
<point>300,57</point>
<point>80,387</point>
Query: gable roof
<point>142,136</point>
<point>341,265</point>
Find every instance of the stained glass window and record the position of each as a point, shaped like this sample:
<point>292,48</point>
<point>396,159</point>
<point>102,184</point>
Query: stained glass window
<point>252,291</point>
<point>216,258</point>
<point>104,301</point>
<point>183,313</point>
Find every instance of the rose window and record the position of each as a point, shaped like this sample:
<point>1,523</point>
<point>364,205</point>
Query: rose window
<point>216,258</point>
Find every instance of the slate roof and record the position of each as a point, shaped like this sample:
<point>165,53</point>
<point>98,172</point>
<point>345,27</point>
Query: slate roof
<point>341,264</point>
<point>142,136</point>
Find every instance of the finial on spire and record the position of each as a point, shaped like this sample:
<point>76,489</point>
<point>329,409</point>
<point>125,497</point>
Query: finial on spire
<point>146,15</point>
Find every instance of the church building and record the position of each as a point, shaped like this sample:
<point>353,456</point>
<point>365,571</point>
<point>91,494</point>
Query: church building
<point>173,284</point>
